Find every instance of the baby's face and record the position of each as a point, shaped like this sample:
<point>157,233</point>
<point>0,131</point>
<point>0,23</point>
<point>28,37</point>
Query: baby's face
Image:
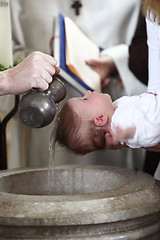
<point>86,108</point>
<point>91,104</point>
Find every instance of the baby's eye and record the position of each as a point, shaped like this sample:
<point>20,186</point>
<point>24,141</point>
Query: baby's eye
<point>84,98</point>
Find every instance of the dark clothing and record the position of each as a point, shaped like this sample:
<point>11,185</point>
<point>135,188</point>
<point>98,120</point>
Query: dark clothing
<point>151,162</point>
<point>138,51</point>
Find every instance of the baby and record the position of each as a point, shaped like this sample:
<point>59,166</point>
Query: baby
<point>133,121</point>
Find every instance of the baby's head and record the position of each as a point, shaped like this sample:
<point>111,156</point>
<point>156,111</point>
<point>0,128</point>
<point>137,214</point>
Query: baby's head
<point>82,123</point>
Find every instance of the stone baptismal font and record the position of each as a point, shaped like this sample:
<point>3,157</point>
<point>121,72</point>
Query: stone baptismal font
<point>83,202</point>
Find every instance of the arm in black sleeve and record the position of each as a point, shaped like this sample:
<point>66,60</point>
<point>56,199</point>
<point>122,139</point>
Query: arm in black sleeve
<point>138,51</point>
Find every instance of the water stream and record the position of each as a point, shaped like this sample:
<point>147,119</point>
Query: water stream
<point>51,162</point>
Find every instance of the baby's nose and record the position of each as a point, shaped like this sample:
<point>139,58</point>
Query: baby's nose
<point>88,93</point>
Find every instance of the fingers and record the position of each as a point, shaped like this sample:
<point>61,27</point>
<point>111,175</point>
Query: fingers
<point>48,68</point>
<point>91,62</point>
<point>108,141</point>
<point>46,61</point>
<point>46,76</point>
<point>35,71</point>
<point>48,58</point>
<point>102,67</point>
<point>51,66</point>
<point>42,85</point>
<point>112,142</point>
<point>105,82</point>
<point>45,67</point>
<point>154,148</point>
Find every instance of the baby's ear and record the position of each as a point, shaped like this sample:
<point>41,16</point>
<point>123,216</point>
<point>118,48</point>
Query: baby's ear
<point>100,120</point>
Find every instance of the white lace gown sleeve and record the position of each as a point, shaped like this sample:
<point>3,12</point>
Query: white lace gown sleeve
<point>142,112</point>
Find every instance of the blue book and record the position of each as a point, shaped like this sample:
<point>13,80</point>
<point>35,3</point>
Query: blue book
<point>59,52</point>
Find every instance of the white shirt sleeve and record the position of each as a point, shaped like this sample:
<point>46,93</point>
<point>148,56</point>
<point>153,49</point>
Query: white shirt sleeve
<point>153,34</point>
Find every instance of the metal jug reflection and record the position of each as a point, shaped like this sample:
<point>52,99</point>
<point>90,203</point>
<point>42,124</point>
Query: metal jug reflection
<point>38,108</point>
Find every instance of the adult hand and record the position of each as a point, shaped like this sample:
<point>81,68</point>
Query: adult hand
<point>154,149</point>
<point>35,71</point>
<point>104,66</point>
<point>112,142</point>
